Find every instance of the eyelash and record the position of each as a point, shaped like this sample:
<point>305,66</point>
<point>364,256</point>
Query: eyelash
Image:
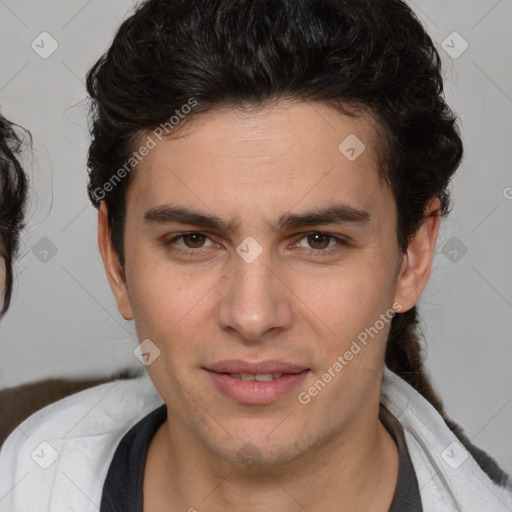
<point>170,243</point>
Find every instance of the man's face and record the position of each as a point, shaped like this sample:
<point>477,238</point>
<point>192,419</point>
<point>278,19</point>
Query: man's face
<point>271,286</point>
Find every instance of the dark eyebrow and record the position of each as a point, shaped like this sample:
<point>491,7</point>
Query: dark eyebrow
<point>337,214</point>
<point>167,214</point>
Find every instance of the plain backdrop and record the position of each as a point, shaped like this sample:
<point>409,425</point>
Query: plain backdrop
<point>64,321</point>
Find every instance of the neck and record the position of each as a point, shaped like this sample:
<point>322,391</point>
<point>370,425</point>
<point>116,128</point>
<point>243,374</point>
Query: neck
<point>357,467</point>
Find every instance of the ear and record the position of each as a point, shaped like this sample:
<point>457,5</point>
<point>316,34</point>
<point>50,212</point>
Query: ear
<point>115,273</point>
<point>417,260</point>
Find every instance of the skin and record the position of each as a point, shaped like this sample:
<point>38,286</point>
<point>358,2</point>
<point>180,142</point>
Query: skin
<point>293,303</point>
<point>2,279</point>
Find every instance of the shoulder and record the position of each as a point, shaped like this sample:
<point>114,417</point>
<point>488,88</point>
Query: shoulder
<point>60,455</point>
<point>448,473</point>
<point>19,402</point>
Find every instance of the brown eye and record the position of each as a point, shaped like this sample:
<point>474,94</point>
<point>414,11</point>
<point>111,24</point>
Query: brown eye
<point>319,240</point>
<point>322,244</point>
<point>194,240</point>
<point>190,244</point>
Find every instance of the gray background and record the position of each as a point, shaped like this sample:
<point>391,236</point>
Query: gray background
<point>64,321</point>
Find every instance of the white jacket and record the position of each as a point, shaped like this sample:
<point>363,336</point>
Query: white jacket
<point>57,460</point>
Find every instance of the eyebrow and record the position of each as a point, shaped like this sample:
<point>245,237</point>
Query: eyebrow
<point>335,214</point>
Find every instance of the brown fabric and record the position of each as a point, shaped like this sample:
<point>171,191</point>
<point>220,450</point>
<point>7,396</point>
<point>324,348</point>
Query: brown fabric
<point>19,402</point>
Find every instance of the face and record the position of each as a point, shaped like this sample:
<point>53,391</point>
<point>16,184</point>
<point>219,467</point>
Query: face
<point>2,280</point>
<point>254,245</point>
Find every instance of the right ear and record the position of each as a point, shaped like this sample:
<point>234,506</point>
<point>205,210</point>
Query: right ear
<point>115,273</point>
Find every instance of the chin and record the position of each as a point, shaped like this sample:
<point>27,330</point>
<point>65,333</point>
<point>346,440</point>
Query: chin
<point>257,449</point>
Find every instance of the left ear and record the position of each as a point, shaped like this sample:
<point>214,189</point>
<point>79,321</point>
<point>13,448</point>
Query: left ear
<point>417,260</point>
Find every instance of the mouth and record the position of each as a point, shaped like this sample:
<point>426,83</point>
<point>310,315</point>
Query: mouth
<point>257,387</point>
<point>272,367</point>
<point>260,377</point>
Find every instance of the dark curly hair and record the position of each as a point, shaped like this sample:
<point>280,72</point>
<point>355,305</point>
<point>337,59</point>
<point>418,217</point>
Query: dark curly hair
<point>356,55</point>
<point>13,195</point>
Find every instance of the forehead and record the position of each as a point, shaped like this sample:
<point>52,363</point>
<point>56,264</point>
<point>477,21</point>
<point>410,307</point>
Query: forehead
<point>264,160</point>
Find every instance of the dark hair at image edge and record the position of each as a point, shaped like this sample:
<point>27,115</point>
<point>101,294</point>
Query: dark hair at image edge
<point>360,56</point>
<point>13,193</point>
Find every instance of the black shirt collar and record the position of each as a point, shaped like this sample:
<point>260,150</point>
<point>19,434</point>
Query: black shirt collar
<point>122,490</point>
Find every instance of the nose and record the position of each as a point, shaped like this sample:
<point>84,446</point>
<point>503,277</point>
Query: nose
<point>254,300</point>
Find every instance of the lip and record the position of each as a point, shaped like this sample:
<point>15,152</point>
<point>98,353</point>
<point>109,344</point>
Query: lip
<point>269,366</point>
<point>255,392</point>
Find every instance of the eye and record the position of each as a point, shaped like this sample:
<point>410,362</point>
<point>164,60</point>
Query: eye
<point>196,243</point>
<point>194,240</point>
<point>321,242</point>
<point>188,242</point>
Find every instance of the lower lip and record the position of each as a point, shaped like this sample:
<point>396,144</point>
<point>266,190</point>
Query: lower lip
<point>255,392</point>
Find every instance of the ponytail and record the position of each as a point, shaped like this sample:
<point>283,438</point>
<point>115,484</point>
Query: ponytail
<point>404,356</point>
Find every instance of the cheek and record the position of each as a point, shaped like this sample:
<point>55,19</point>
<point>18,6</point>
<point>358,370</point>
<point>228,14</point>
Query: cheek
<point>167,302</point>
<point>349,298</point>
